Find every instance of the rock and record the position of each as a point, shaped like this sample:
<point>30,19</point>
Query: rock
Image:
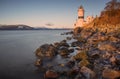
<point>62,65</point>
<point>117,57</point>
<point>106,55</point>
<point>46,50</point>
<point>50,74</point>
<point>71,64</point>
<point>62,43</point>
<point>88,73</point>
<point>68,38</point>
<point>80,39</point>
<point>94,53</point>
<point>71,50</point>
<point>38,62</point>
<point>77,30</point>
<point>83,62</point>
<point>63,51</point>
<point>73,72</point>
<point>98,67</point>
<point>81,55</point>
<point>77,48</point>
<point>112,60</point>
<point>96,38</point>
<point>117,45</point>
<point>76,43</point>
<point>67,33</point>
<point>113,39</point>
<point>86,33</point>
<point>110,74</point>
<point>79,76</point>
<point>105,46</point>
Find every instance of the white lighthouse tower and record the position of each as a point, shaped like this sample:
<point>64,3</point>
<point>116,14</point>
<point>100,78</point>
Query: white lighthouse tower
<point>80,20</point>
<point>81,13</point>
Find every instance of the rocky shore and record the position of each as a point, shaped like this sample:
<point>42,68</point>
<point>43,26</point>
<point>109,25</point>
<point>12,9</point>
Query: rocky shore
<point>90,53</point>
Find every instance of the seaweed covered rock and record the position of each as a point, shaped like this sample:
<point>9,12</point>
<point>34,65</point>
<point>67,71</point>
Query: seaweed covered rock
<point>83,62</point>
<point>63,51</point>
<point>68,38</point>
<point>46,50</point>
<point>81,55</point>
<point>60,44</point>
<point>76,43</point>
<point>38,62</point>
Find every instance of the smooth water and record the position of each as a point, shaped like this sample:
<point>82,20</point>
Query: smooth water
<point>17,51</point>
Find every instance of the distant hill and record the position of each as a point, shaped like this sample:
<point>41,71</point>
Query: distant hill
<point>15,27</point>
<point>26,27</point>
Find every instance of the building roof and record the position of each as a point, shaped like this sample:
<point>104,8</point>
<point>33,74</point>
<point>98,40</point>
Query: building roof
<point>81,7</point>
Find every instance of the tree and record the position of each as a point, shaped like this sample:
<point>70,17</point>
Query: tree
<point>112,5</point>
<point>112,8</point>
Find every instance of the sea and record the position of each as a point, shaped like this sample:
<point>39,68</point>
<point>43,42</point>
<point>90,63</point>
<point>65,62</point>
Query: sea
<point>17,49</point>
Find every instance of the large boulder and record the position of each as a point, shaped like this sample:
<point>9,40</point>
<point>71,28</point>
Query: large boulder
<point>88,73</point>
<point>96,38</point>
<point>63,51</point>
<point>80,55</point>
<point>51,74</point>
<point>86,33</point>
<point>94,53</point>
<point>113,39</point>
<point>46,50</point>
<point>77,30</point>
<point>80,39</point>
<point>106,46</point>
<point>60,44</point>
<point>76,43</point>
<point>110,74</point>
<point>83,62</point>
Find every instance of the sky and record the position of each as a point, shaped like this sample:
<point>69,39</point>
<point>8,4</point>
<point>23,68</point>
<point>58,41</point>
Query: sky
<point>47,13</point>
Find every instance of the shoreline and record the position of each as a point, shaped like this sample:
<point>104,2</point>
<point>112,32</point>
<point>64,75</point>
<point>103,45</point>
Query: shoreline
<point>88,54</point>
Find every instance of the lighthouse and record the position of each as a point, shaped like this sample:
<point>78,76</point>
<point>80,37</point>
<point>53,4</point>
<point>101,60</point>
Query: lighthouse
<point>80,22</point>
<point>81,13</point>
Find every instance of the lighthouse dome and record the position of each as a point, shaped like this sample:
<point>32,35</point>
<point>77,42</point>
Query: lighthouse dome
<point>81,7</point>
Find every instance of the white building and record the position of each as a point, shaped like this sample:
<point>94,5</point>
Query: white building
<point>80,22</point>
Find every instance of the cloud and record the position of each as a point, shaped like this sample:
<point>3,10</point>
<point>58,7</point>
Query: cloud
<point>49,24</point>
